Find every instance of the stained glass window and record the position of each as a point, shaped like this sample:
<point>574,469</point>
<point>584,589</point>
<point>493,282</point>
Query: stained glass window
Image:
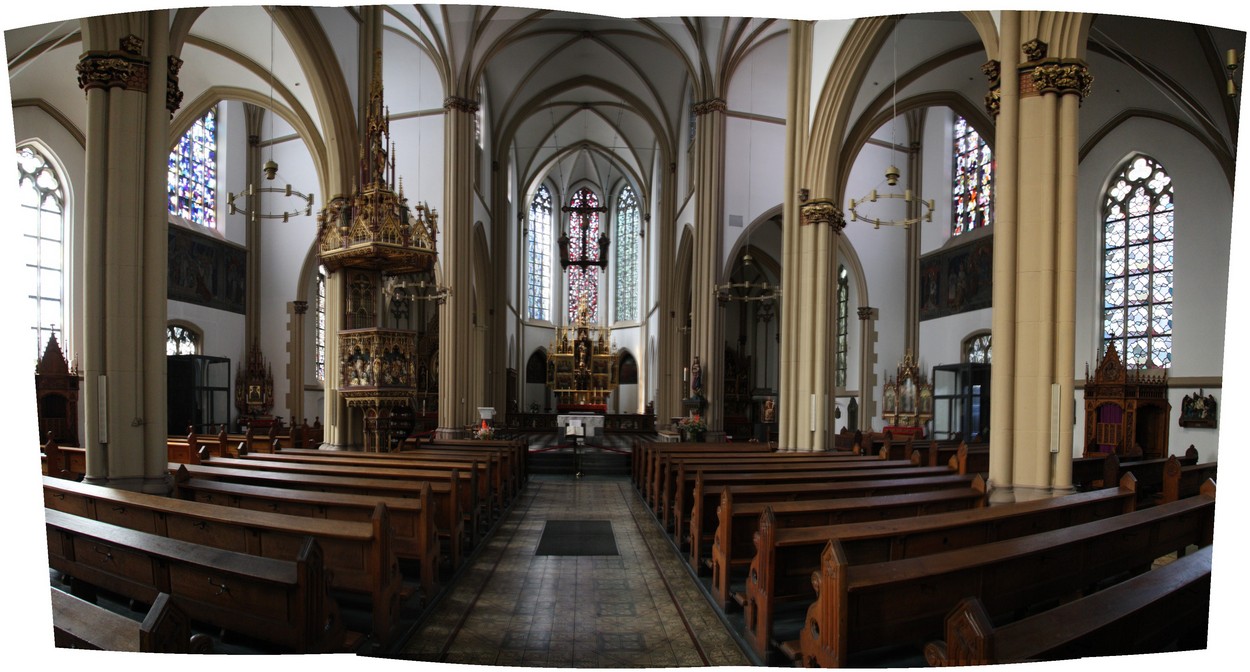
<point>321,325</point>
<point>538,253</point>
<point>42,199</point>
<point>181,341</point>
<point>627,259</point>
<point>843,299</point>
<point>193,173</point>
<point>1138,221</point>
<point>977,349</point>
<point>584,282</point>
<point>973,190</point>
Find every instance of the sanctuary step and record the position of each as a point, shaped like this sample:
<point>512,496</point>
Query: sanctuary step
<point>593,463</point>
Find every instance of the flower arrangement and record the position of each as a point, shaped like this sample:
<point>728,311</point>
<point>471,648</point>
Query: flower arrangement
<point>692,424</point>
<point>484,432</point>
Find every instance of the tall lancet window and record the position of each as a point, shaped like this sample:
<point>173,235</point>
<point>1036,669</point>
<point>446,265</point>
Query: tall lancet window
<point>844,292</point>
<point>627,257</point>
<point>41,196</point>
<point>1138,232</point>
<point>974,180</point>
<point>193,173</point>
<point>583,282</point>
<point>538,256</point>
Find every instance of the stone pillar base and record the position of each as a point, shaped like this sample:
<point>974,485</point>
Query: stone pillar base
<point>450,433</point>
<point>1001,494</point>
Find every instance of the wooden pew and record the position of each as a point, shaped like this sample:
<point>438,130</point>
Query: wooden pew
<point>358,555</point>
<point>66,463</point>
<point>1184,481</point>
<point>651,454</point>
<point>733,544</point>
<point>1149,473</point>
<point>859,608</point>
<point>1144,614</point>
<point>470,485</point>
<point>517,447</point>
<point>447,516</point>
<point>694,514</point>
<point>283,602</point>
<point>498,486</point>
<point>785,557</point>
<point>79,624</point>
<point>414,536</point>
<point>1094,471</point>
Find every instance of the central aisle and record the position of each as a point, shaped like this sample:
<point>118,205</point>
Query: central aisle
<point>640,608</point>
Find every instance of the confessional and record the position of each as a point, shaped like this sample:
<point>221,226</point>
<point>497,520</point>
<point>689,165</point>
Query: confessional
<point>1126,410</point>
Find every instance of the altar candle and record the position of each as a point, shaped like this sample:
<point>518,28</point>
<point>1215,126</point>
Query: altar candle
<point>685,372</point>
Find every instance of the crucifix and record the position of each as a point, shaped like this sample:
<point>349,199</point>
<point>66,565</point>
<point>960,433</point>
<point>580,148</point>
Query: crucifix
<point>581,226</point>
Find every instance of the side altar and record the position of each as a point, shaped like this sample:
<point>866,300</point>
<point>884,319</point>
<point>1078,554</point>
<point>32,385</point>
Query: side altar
<point>582,366</point>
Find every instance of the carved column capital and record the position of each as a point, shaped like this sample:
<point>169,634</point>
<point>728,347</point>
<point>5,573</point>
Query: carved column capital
<point>173,94</point>
<point>993,98</point>
<point>710,105</point>
<point>822,211</point>
<point>1062,77</point>
<point>1035,50</point>
<point>122,67</point>
<point>866,312</point>
<point>301,307</point>
<point>460,104</point>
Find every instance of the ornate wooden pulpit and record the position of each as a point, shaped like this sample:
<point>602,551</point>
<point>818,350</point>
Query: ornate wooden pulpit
<point>1126,410</point>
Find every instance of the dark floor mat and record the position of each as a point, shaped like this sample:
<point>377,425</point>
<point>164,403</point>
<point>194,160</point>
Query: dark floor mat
<point>577,537</point>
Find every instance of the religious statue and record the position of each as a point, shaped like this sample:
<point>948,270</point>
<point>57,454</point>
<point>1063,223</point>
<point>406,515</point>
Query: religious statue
<point>770,410</point>
<point>696,377</point>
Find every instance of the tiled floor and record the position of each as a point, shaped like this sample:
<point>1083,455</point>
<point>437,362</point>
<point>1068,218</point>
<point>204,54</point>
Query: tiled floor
<point>640,608</point>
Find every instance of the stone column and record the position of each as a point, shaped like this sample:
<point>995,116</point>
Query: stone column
<point>131,93</point>
<point>254,116</point>
<point>297,312</point>
<point>867,365</point>
<point>707,337</point>
<point>455,337</point>
<point>1034,263</point>
<point>669,316</point>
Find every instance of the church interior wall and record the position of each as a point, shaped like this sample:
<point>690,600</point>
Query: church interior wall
<point>754,174</point>
<point>827,39</point>
<point>342,29</point>
<point>32,124</point>
<point>1203,204</point>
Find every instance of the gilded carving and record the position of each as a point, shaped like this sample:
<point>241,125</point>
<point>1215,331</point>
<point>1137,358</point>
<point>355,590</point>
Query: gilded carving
<point>131,44</point>
<point>710,105</point>
<point>992,70</point>
<point>1063,78</point>
<point>301,307</point>
<point>823,211</point>
<point>1035,50</point>
<point>994,101</point>
<point>460,104</point>
<point>865,312</point>
<point>111,69</point>
<point>173,94</point>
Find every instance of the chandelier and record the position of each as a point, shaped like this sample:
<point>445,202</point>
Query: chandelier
<point>925,212</point>
<point>270,169</point>
<point>746,290</point>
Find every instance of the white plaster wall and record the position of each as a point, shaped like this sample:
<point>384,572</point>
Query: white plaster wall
<point>827,39</point>
<point>412,86</point>
<point>941,339</point>
<point>883,253</point>
<point>1203,204</point>
<point>343,31</point>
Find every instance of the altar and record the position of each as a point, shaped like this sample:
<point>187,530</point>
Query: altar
<point>580,424</point>
<point>582,367</point>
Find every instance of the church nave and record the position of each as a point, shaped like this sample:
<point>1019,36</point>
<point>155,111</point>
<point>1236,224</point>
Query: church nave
<point>639,608</point>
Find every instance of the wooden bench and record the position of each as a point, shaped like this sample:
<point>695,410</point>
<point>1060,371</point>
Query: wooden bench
<point>483,480</point>
<point>647,456</point>
<point>446,496</point>
<point>59,462</point>
<point>358,555</point>
<point>469,483</point>
<point>1184,481</point>
<point>283,602</point>
<point>785,557</point>
<point>859,608</point>
<point>694,514</point>
<point>1149,473</point>
<point>79,624</point>
<point>514,447</point>
<point>733,543</point>
<point>1162,610</point>
<point>414,536</point>
<point>1091,472</point>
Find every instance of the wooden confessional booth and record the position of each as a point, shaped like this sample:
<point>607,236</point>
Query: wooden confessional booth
<point>1126,410</point>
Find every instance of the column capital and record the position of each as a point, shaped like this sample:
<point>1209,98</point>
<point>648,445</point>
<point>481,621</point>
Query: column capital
<point>460,104</point>
<point>124,67</point>
<point>710,105</point>
<point>1057,76</point>
<point>866,312</point>
<point>1035,49</point>
<point>301,307</point>
<point>822,211</point>
<point>993,97</point>
<point>173,94</point>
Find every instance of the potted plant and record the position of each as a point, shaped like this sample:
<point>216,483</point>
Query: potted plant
<point>693,427</point>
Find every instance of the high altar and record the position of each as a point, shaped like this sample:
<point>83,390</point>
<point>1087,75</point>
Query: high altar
<point>582,365</point>
<point>907,402</point>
